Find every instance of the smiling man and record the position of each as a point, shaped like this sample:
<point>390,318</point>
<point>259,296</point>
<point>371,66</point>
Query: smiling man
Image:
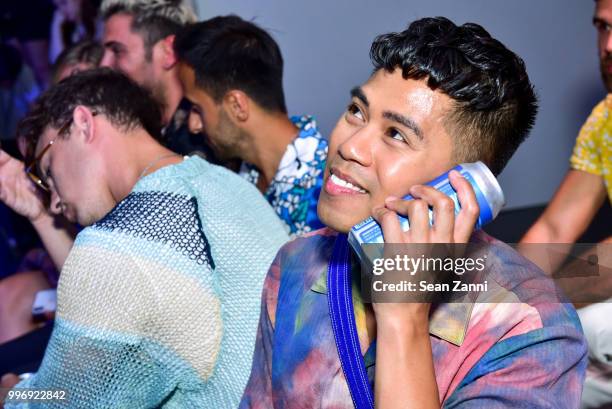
<point>138,37</point>
<point>439,95</point>
<point>159,297</point>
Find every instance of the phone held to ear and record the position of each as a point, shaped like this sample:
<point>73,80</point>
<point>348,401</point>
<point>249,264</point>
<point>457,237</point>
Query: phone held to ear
<point>488,194</point>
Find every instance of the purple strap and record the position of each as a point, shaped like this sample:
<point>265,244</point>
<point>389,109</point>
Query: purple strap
<point>340,302</point>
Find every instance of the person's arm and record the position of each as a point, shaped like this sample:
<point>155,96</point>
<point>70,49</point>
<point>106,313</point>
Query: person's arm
<point>21,195</point>
<point>405,376</point>
<point>568,215</point>
<point>570,211</point>
<point>57,235</point>
<point>56,44</point>
<point>258,392</point>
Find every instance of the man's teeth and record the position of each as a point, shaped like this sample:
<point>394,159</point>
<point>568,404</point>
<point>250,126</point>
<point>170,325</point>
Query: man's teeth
<point>341,182</point>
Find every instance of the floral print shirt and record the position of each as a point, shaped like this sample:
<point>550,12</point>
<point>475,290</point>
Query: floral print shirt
<point>294,191</point>
<point>593,149</point>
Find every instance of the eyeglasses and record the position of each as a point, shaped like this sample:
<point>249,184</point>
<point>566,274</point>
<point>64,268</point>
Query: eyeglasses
<point>33,171</point>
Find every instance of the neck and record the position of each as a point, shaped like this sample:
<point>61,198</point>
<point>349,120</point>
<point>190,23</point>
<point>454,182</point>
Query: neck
<point>271,135</point>
<point>173,95</point>
<point>141,155</point>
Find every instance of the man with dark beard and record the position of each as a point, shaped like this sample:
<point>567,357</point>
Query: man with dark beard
<point>575,204</point>
<point>584,188</point>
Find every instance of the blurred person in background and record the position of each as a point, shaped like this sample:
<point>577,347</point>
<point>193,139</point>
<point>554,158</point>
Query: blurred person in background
<point>81,56</point>
<point>138,40</point>
<point>73,21</point>
<point>232,72</point>
<point>26,24</point>
<point>18,90</point>
<point>583,191</point>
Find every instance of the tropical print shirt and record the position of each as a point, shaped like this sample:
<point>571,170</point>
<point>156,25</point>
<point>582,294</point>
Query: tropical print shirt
<point>294,191</point>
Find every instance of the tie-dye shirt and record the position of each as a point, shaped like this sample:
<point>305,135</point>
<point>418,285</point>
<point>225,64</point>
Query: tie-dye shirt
<point>518,349</point>
<point>593,149</point>
<point>294,191</point>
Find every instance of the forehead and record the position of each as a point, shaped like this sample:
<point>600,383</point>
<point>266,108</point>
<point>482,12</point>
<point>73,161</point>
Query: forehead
<point>118,28</point>
<point>603,10</point>
<point>190,88</point>
<point>389,91</point>
<point>186,74</point>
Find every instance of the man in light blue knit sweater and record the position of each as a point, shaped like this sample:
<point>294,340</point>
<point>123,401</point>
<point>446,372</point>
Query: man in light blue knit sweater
<point>158,301</point>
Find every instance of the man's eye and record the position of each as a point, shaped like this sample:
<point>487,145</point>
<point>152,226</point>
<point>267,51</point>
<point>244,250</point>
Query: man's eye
<point>354,110</point>
<point>602,26</point>
<point>397,135</point>
<point>116,50</point>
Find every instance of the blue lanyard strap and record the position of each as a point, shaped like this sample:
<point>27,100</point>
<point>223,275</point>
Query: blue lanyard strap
<point>340,302</point>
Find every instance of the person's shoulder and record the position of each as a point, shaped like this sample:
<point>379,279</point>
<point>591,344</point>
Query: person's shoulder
<point>599,117</point>
<point>307,251</point>
<point>150,225</point>
<point>521,291</point>
<point>307,124</point>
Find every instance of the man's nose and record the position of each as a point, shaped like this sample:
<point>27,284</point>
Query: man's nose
<point>195,122</point>
<point>108,60</point>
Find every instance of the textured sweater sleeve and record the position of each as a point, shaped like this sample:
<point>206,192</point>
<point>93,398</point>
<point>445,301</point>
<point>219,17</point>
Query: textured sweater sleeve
<point>129,308</point>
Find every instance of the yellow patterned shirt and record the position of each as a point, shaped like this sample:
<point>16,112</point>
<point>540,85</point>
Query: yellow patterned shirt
<point>593,149</point>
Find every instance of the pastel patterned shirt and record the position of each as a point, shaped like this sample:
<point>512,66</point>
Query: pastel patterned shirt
<point>294,191</point>
<point>593,149</point>
<point>518,349</point>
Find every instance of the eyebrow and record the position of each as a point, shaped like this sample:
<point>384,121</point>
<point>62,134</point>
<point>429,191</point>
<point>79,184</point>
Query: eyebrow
<point>113,44</point>
<point>357,92</point>
<point>405,121</point>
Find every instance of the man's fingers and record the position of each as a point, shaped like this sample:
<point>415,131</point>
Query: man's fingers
<point>468,215</point>
<point>389,223</point>
<point>443,211</point>
<point>417,212</point>
<point>9,380</point>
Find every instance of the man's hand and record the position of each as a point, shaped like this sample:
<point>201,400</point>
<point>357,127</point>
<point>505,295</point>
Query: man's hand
<point>447,229</point>
<point>404,360</point>
<point>7,383</point>
<point>17,191</point>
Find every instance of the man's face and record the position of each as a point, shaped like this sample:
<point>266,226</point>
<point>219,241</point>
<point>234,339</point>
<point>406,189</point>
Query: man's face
<point>602,21</point>
<point>209,117</point>
<point>73,178</point>
<point>391,137</point>
<point>124,50</point>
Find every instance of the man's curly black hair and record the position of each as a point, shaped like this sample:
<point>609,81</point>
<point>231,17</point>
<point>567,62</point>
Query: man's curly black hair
<point>494,102</point>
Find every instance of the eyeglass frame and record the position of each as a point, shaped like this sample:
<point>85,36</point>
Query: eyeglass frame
<point>32,169</point>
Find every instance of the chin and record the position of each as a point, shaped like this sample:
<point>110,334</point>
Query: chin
<point>335,218</point>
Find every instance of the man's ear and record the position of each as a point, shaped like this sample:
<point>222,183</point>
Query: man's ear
<point>238,105</point>
<point>83,119</point>
<point>169,59</point>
